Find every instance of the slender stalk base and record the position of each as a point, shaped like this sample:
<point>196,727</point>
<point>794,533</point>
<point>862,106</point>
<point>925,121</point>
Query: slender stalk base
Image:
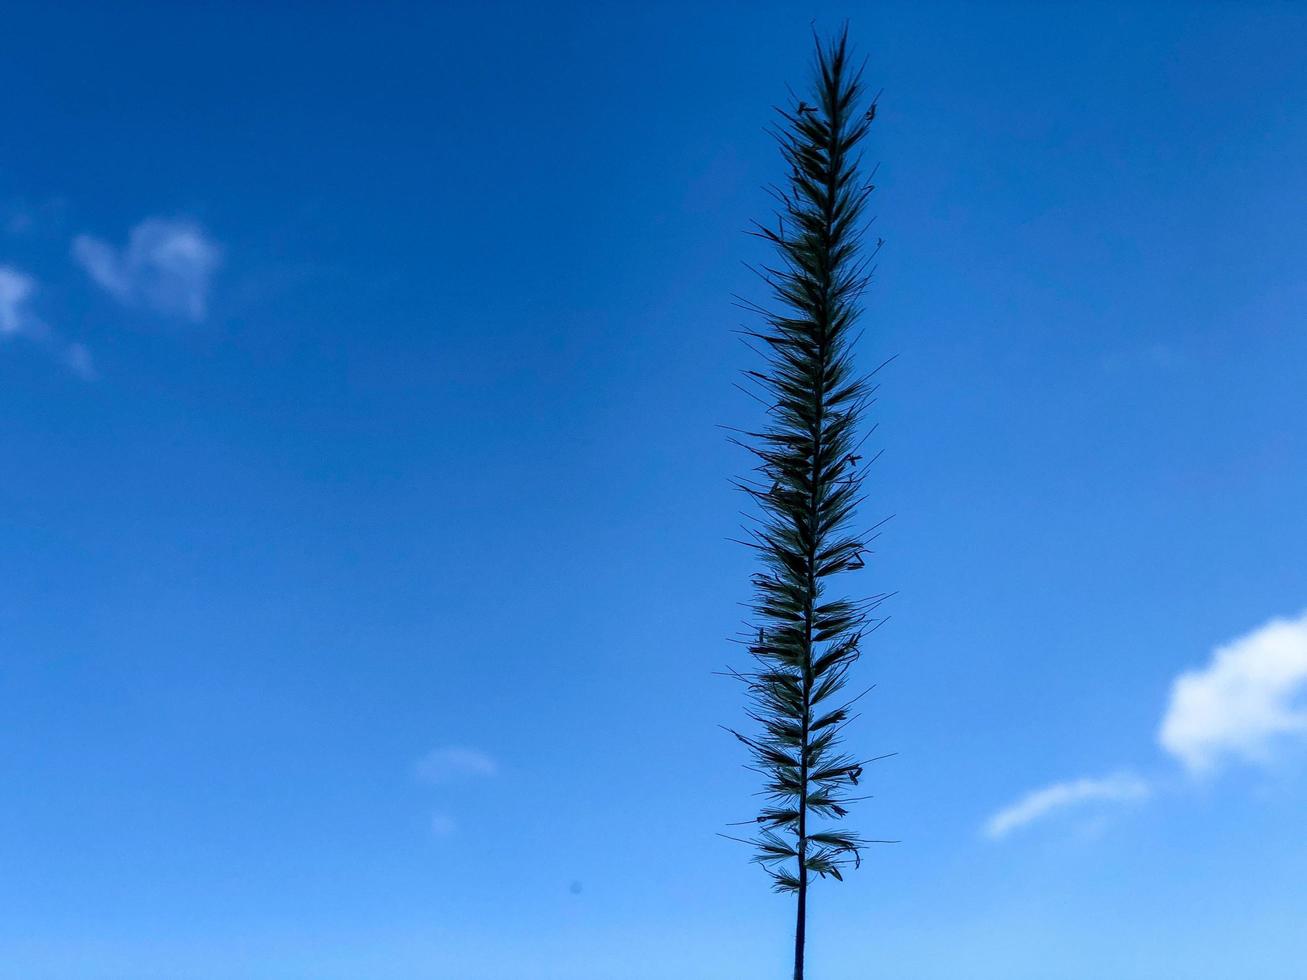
<point>801,925</point>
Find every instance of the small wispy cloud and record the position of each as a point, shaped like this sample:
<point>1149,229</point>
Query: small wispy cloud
<point>78,359</point>
<point>18,319</point>
<point>1122,787</point>
<point>167,265</point>
<point>445,764</point>
<point>450,764</point>
<point>1249,699</point>
<point>15,291</point>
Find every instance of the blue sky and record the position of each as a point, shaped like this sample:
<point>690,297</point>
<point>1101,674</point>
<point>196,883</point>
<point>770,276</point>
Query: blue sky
<point>364,517</point>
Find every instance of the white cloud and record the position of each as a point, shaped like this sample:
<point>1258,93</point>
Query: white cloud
<point>1250,698</point>
<point>167,265</point>
<point>442,765</point>
<point>18,320</point>
<point>1117,788</point>
<point>15,291</point>
<point>1247,702</point>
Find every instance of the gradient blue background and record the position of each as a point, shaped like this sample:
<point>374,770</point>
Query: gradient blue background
<point>440,468</point>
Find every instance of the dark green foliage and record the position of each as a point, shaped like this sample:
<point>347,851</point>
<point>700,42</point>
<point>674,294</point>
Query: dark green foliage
<point>808,483</point>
